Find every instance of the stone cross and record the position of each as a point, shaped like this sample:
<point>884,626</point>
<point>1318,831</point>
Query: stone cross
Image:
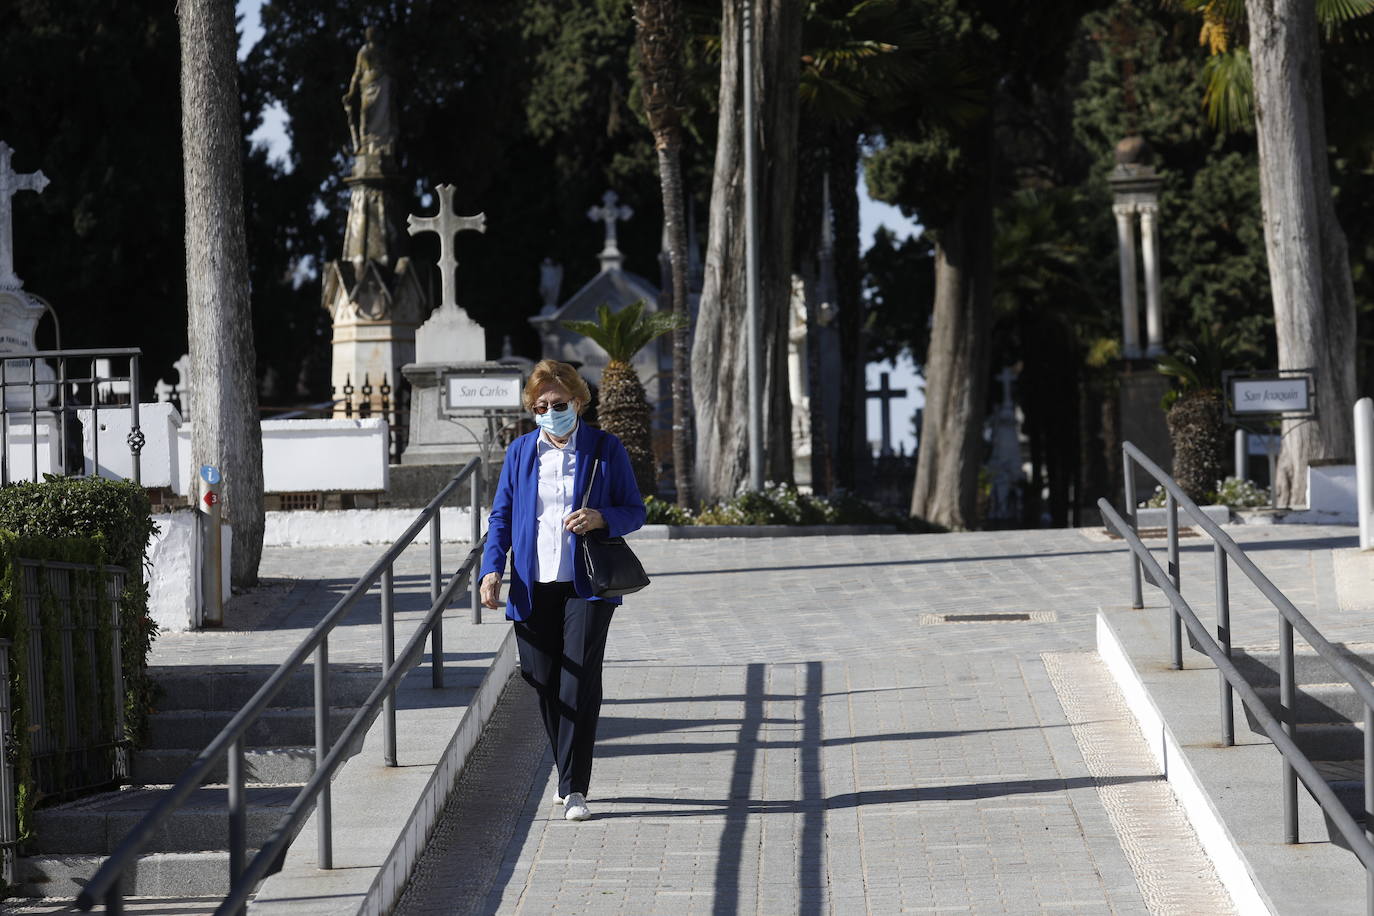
<point>11,183</point>
<point>1006,377</point>
<point>885,395</point>
<point>447,224</point>
<point>609,214</point>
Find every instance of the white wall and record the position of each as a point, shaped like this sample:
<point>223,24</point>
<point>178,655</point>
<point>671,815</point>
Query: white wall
<point>174,579</point>
<point>344,455</point>
<point>1331,491</point>
<point>19,446</point>
<point>350,527</point>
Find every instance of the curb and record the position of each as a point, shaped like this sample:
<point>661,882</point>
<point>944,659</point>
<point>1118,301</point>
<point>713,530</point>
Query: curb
<point>694,532</point>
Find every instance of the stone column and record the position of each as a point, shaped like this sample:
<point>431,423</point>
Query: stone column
<point>1154,308</point>
<point>1130,318</point>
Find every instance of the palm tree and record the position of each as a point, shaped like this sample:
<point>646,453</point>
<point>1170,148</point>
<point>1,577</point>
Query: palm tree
<point>622,407</point>
<point>660,34</point>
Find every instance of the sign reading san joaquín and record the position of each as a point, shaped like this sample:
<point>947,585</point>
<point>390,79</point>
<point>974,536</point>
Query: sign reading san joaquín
<point>476,392</point>
<point>1284,393</point>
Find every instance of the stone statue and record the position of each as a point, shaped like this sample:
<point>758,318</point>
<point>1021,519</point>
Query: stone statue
<point>550,284</point>
<point>370,104</point>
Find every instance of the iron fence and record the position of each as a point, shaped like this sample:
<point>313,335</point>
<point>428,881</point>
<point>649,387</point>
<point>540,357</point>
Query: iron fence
<point>1281,729</point>
<point>245,873</point>
<point>76,736</point>
<point>40,410</point>
<point>361,401</point>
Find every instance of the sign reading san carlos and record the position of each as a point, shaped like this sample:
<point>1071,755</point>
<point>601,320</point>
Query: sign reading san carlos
<point>1286,393</point>
<point>478,392</point>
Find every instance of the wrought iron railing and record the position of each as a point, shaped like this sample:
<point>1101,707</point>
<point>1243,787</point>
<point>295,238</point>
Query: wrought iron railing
<point>51,407</point>
<point>244,874</point>
<point>79,747</point>
<point>1281,729</point>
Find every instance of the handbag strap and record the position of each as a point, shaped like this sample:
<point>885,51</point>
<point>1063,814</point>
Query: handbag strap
<point>586,494</point>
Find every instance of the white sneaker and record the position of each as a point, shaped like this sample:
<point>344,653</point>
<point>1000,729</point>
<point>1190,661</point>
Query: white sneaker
<point>575,807</point>
<point>560,800</point>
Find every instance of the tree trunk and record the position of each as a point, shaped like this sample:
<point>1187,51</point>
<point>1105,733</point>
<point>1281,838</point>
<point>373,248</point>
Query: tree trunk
<point>1309,264</point>
<point>660,35</point>
<point>852,437</point>
<point>950,450</point>
<point>719,351</point>
<point>225,430</point>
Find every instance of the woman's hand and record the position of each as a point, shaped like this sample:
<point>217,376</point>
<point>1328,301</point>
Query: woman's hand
<point>491,590</point>
<point>584,520</point>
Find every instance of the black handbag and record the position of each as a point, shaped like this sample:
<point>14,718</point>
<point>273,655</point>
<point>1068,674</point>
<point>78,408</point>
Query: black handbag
<point>608,562</point>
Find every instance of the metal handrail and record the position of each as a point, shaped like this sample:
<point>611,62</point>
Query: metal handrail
<point>1296,764</point>
<point>105,883</point>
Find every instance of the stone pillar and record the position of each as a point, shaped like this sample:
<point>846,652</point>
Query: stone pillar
<point>1154,310</point>
<point>1130,320</point>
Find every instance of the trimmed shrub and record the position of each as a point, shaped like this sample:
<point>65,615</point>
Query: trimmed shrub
<point>118,516</point>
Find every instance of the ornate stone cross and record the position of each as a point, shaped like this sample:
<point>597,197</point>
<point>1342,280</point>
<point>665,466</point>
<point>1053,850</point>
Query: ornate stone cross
<point>885,395</point>
<point>447,224</point>
<point>1006,377</point>
<point>12,183</point>
<point>609,214</point>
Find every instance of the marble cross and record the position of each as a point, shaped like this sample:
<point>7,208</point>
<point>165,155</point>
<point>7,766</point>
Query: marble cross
<point>447,224</point>
<point>885,395</point>
<point>11,183</point>
<point>609,214</point>
<point>1006,377</point>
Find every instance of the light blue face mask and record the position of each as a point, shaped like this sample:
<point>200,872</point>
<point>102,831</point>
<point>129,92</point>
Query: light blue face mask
<point>557,423</point>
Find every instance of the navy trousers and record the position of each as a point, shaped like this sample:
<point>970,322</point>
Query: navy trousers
<point>562,646</point>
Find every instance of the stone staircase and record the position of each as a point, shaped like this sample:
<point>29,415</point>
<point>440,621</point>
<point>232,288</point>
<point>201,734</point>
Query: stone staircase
<point>1330,717</point>
<point>189,857</point>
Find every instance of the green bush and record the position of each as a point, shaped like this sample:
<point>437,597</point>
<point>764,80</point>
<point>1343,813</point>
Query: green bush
<point>661,512</point>
<point>117,514</point>
<point>1241,494</point>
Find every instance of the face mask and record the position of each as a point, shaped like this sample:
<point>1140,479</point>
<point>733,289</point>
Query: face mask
<point>557,423</point>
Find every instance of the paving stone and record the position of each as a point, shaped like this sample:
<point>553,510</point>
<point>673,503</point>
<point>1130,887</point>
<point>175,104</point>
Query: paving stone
<point>782,733</point>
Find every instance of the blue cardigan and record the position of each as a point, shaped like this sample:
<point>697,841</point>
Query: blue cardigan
<point>513,524</point>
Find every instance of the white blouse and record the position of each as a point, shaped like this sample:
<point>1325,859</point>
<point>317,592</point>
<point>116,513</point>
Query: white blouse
<point>554,503</point>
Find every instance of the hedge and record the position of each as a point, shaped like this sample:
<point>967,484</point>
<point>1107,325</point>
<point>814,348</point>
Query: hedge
<point>115,519</point>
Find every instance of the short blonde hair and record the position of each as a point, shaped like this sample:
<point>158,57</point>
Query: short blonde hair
<point>551,371</point>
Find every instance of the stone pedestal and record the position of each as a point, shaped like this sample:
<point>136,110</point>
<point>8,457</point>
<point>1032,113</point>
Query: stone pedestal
<point>449,340</point>
<point>1142,419</point>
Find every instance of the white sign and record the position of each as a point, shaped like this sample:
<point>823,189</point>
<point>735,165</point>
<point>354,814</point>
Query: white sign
<point>1270,395</point>
<point>482,392</point>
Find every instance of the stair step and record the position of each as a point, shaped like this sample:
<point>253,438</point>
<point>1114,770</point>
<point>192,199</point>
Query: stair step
<point>162,874</point>
<point>274,728</point>
<point>211,687</point>
<point>1319,702</point>
<point>1261,666</point>
<point>262,766</point>
<point>95,825</point>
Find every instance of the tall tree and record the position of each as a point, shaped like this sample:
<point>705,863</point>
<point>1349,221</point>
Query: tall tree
<point>661,33</point>
<point>1309,262</point>
<point>225,430</point>
<point>719,351</point>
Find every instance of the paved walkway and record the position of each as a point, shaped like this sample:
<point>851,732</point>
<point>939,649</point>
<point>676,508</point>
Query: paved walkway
<point>792,726</point>
<point>797,726</point>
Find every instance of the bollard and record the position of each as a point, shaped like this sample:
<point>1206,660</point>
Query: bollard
<point>1364,470</point>
<point>212,557</point>
<point>1242,455</point>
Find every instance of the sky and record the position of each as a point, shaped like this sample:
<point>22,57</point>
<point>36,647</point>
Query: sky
<point>872,214</point>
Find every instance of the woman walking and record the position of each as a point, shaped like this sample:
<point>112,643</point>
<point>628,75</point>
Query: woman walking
<point>537,515</point>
